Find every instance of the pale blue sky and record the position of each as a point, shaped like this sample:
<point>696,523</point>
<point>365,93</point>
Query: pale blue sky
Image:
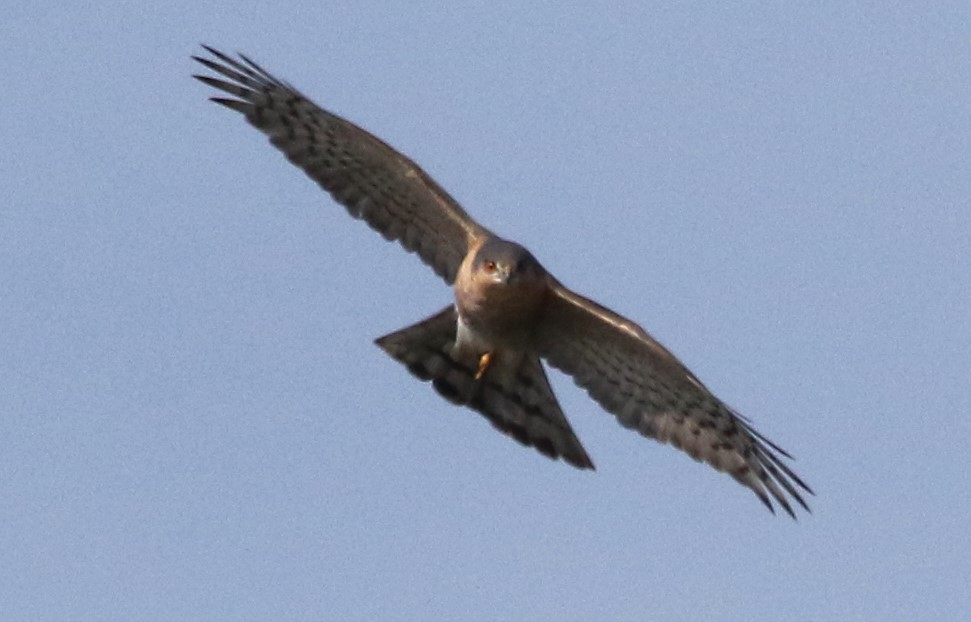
<point>195,424</point>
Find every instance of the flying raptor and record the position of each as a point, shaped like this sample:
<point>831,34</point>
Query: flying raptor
<point>484,350</point>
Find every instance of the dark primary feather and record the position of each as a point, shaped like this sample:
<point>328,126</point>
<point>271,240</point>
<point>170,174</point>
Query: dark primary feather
<point>372,180</point>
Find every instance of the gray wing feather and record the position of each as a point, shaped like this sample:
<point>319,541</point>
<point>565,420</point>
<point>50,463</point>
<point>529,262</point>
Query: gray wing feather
<point>364,174</point>
<point>635,378</point>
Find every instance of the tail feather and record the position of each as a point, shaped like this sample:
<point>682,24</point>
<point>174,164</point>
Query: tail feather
<point>518,402</point>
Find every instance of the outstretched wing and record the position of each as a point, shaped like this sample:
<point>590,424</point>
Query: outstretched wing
<point>635,378</point>
<point>520,403</point>
<point>364,174</point>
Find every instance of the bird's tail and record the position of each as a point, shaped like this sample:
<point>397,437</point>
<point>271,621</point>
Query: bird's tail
<point>518,402</point>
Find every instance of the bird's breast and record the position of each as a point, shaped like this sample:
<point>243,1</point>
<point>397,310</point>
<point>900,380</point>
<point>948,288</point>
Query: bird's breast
<point>501,315</point>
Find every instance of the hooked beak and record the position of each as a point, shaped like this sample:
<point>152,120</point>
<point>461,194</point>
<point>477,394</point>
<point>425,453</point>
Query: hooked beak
<point>500,275</point>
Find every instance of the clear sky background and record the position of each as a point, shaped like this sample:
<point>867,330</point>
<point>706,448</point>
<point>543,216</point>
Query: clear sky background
<point>195,424</point>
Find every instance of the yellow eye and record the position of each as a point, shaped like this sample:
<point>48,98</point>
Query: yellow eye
<point>490,266</point>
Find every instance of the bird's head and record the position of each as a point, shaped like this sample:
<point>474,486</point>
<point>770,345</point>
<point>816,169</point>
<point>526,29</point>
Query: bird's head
<point>499,262</point>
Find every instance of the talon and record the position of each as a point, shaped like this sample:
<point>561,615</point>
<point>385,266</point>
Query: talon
<point>484,362</point>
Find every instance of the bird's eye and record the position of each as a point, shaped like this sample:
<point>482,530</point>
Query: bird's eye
<point>490,266</point>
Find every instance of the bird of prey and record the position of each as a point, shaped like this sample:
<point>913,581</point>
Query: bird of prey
<point>484,350</point>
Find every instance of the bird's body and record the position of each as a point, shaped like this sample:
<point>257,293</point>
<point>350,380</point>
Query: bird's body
<point>500,290</point>
<point>485,350</point>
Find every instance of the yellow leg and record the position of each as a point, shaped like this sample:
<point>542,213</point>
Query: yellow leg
<point>484,362</point>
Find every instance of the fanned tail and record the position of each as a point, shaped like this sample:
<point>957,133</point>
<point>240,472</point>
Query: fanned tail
<point>519,403</point>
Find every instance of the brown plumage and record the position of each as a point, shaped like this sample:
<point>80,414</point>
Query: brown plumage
<point>484,351</point>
